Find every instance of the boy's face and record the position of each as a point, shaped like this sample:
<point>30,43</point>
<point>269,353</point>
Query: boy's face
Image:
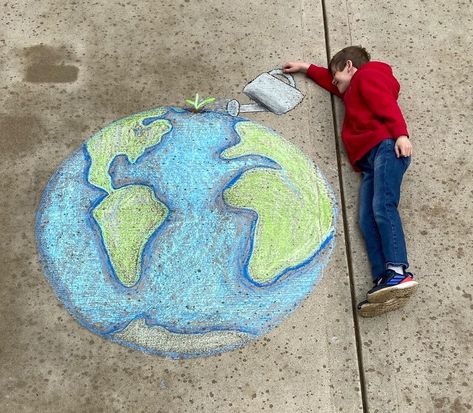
<point>342,78</point>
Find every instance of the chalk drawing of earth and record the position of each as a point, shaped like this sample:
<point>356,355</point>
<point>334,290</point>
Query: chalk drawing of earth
<point>184,234</point>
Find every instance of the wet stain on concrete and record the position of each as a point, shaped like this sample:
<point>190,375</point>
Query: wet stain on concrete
<point>46,64</point>
<point>44,73</point>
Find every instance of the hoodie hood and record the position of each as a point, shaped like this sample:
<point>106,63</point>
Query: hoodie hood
<point>375,68</point>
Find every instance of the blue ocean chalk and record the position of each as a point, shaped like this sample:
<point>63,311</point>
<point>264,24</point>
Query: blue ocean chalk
<point>192,298</point>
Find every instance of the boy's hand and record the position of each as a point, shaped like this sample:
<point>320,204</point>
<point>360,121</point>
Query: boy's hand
<point>294,67</point>
<point>403,147</point>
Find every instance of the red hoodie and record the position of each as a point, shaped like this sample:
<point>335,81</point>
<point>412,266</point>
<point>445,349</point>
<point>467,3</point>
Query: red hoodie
<point>371,110</point>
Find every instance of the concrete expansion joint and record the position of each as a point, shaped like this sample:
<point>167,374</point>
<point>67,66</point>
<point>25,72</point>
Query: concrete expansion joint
<point>358,341</point>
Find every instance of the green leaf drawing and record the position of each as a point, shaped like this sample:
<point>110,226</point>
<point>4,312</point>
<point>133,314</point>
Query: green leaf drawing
<point>197,105</point>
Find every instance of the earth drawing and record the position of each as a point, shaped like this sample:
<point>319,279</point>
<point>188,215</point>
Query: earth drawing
<point>184,234</point>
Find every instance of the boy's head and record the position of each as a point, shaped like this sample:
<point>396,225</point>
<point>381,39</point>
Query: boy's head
<point>345,63</point>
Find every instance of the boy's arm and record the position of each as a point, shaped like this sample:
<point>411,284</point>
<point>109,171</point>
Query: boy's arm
<point>323,78</point>
<point>318,74</point>
<point>378,95</point>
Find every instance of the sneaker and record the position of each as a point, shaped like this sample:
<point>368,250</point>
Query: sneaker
<point>367,309</point>
<point>392,285</point>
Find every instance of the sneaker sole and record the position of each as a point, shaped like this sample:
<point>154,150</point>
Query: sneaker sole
<point>404,290</point>
<point>375,309</point>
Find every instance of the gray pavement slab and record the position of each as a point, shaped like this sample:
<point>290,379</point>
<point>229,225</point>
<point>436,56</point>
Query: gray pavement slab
<point>419,359</point>
<point>70,68</point>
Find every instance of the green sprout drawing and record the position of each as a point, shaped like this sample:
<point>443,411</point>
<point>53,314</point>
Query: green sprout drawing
<point>198,105</point>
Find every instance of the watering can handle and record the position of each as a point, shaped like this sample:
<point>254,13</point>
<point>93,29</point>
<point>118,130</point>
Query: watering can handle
<point>287,76</point>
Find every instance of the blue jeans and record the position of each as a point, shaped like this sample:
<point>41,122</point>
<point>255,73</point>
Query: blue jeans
<point>379,218</point>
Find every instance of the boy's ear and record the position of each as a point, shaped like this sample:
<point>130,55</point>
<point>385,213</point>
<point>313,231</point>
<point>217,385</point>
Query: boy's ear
<point>349,65</point>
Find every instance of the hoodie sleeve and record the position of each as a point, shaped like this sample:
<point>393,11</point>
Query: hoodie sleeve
<point>323,78</point>
<point>380,94</point>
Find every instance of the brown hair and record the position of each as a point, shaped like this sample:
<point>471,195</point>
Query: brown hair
<point>357,54</point>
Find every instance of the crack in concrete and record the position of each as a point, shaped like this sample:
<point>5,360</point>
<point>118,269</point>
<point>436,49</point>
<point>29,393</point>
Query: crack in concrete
<point>358,342</point>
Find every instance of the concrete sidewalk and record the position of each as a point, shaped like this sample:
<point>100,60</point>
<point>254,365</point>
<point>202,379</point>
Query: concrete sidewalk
<point>70,68</point>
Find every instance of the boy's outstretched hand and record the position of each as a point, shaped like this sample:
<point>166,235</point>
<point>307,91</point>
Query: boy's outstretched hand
<point>294,67</point>
<point>403,147</point>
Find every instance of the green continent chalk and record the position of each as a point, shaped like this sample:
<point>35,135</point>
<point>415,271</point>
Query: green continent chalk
<point>293,205</point>
<point>127,218</point>
<point>128,137</point>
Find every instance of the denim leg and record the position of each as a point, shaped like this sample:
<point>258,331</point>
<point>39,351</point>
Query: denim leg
<point>388,173</point>
<point>368,226</point>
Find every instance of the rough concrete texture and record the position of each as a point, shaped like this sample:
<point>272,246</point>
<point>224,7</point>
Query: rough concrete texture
<point>419,359</point>
<point>69,68</point>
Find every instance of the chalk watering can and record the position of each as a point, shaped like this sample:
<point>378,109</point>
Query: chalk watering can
<point>277,95</point>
